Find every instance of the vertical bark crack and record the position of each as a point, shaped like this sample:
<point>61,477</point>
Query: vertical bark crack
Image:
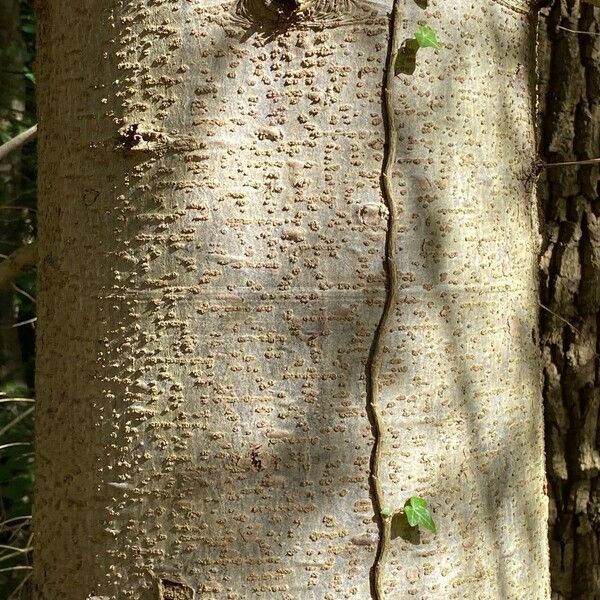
<point>391,271</point>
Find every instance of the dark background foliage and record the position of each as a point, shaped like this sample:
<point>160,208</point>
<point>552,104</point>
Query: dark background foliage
<point>17,304</point>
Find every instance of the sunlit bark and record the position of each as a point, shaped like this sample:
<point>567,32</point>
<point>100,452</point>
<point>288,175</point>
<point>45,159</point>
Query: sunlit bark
<point>217,249</point>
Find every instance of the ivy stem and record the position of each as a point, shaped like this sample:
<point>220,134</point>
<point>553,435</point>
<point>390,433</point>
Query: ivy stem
<point>391,272</point>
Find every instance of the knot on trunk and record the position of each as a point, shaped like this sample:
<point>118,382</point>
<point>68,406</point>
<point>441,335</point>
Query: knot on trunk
<point>275,16</point>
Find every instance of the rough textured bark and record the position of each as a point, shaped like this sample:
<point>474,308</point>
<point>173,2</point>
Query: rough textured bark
<point>274,298</point>
<point>570,76</point>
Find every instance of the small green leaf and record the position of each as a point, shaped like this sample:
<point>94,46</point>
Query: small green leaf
<point>386,511</point>
<point>406,59</point>
<point>426,37</point>
<point>418,513</point>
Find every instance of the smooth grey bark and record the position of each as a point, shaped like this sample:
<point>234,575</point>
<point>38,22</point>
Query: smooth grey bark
<point>570,90</point>
<point>275,297</point>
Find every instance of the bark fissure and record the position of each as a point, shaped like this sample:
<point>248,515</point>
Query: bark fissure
<point>391,271</point>
<point>570,284</point>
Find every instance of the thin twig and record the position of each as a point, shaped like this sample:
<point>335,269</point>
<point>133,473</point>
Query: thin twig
<point>9,556</point>
<point>12,445</point>
<point>577,31</point>
<point>24,293</point>
<point>17,568</point>
<point>17,142</point>
<point>14,593</point>
<point>22,518</point>
<point>22,259</point>
<point>19,587</point>
<point>16,420</point>
<point>14,519</point>
<point>15,549</point>
<point>4,400</point>
<point>28,322</point>
<point>561,318</point>
<point>589,161</point>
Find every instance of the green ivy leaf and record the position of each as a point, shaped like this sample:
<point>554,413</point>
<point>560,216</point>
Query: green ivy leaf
<point>417,513</point>
<point>426,37</point>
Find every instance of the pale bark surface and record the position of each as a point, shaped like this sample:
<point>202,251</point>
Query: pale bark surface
<point>570,76</point>
<point>212,245</point>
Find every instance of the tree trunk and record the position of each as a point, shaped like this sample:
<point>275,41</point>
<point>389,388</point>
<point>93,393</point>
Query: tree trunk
<point>571,292</point>
<point>278,295</point>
